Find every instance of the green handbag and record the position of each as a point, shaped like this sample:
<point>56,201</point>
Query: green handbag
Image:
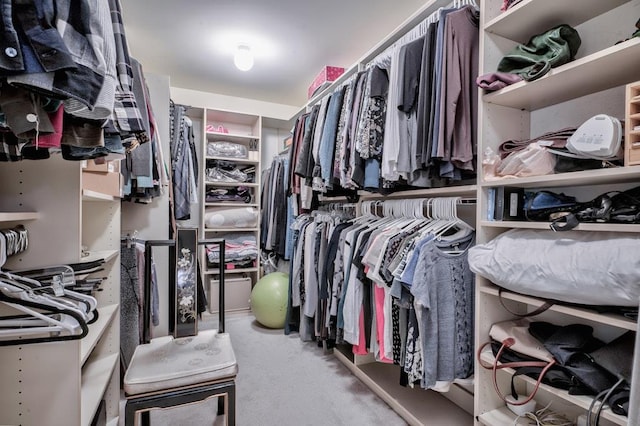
<point>552,48</point>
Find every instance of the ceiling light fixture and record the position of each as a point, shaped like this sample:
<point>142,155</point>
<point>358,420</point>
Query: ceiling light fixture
<point>243,58</point>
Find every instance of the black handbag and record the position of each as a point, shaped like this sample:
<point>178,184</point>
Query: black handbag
<point>544,205</point>
<point>566,212</point>
<point>572,347</point>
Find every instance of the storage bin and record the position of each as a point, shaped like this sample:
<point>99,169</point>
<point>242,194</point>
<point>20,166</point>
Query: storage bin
<point>237,294</point>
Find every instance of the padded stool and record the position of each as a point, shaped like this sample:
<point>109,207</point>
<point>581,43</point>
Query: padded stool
<point>168,372</point>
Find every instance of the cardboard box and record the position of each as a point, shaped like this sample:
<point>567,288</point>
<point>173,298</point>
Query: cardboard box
<point>324,78</point>
<point>103,183</point>
<point>237,294</point>
<point>106,167</point>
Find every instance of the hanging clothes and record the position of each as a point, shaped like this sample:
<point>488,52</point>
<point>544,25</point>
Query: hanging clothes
<point>394,286</point>
<point>83,96</point>
<point>184,162</point>
<point>400,123</point>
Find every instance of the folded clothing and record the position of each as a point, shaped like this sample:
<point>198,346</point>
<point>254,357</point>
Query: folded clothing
<point>552,139</point>
<point>227,171</point>
<point>240,248</point>
<point>240,194</point>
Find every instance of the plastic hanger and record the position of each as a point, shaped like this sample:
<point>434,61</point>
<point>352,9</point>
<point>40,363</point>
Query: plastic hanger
<point>69,324</point>
<point>30,292</point>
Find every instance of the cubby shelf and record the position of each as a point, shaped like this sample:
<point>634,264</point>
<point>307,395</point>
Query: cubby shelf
<point>602,70</point>
<point>581,401</point>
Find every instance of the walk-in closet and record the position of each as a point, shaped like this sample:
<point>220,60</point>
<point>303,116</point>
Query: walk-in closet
<point>422,212</point>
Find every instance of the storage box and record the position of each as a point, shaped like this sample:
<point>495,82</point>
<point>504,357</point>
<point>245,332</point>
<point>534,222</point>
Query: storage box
<point>237,294</point>
<point>509,203</point>
<point>104,183</point>
<point>106,167</point>
<point>324,78</point>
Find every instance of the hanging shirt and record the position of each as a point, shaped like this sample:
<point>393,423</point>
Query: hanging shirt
<point>444,289</point>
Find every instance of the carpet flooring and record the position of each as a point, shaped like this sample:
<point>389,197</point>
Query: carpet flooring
<point>283,381</point>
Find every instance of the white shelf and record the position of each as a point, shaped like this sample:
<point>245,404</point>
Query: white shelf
<point>415,406</point>
<point>532,17</point>
<point>447,191</point>
<point>611,227</point>
<point>581,401</point>
<point>96,330</point>
<point>95,379</point>
<point>231,204</point>
<point>581,178</point>
<point>231,137</point>
<point>18,216</point>
<point>231,184</point>
<point>574,311</point>
<point>499,417</point>
<point>231,230</point>
<point>107,255</point>
<point>88,195</point>
<point>231,271</point>
<point>614,66</point>
<point>235,160</point>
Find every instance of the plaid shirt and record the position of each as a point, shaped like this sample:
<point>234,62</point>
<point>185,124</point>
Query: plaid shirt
<point>67,28</point>
<point>127,115</point>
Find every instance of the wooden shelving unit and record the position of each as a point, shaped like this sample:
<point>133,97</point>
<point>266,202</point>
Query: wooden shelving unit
<point>632,125</point>
<point>566,96</point>
<point>63,382</point>
<point>244,129</point>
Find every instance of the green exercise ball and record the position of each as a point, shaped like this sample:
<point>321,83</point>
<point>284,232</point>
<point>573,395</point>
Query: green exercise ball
<point>269,299</point>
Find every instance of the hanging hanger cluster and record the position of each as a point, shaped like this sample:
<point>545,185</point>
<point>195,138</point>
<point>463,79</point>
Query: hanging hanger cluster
<point>36,311</point>
<point>13,241</point>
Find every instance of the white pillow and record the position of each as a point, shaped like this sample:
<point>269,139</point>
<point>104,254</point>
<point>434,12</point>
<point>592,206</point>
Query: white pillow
<point>591,268</point>
<point>231,217</point>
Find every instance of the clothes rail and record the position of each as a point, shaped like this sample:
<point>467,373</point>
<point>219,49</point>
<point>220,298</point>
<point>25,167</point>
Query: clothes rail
<point>418,30</point>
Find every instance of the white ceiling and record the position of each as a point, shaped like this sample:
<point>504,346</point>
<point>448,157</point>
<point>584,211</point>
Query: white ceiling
<point>186,40</point>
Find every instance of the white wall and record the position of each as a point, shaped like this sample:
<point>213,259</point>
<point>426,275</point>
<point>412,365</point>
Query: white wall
<point>231,103</point>
<point>272,144</point>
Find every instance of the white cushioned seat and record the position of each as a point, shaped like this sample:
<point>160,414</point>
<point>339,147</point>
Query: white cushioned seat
<point>171,363</point>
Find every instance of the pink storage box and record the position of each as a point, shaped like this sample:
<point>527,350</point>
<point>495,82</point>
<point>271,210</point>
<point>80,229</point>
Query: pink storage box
<point>324,78</point>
